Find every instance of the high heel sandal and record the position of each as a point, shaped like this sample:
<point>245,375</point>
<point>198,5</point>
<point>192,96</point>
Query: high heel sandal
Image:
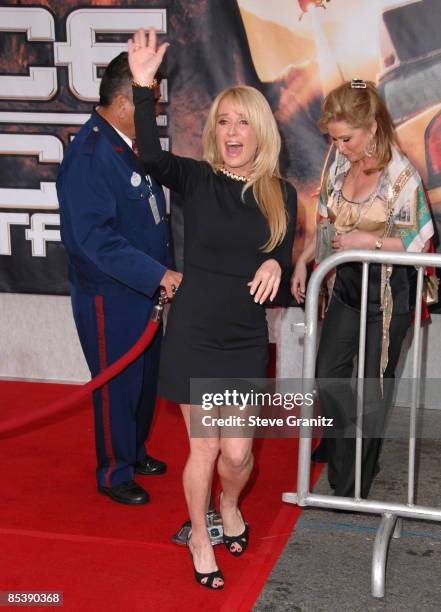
<point>240,540</point>
<point>209,577</point>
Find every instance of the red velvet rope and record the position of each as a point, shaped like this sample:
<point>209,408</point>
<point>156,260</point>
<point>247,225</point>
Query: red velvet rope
<point>23,422</point>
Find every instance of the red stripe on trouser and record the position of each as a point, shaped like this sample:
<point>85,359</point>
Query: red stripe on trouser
<point>99,308</point>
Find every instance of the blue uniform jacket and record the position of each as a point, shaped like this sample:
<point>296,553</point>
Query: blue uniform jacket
<point>107,225</point>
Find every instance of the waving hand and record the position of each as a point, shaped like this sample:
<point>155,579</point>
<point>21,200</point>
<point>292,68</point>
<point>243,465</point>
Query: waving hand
<point>144,57</point>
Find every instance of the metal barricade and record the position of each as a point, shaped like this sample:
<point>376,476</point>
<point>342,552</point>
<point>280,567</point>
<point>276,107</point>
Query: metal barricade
<point>390,523</point>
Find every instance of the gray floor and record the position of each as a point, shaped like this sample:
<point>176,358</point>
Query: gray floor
<point>326,564</point>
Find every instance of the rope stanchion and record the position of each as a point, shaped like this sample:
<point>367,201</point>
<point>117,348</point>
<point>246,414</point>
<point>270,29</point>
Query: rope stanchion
<point>18,424</point>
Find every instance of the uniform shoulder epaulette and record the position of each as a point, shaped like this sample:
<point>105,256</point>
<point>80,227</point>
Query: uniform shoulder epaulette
<point>91,141</point>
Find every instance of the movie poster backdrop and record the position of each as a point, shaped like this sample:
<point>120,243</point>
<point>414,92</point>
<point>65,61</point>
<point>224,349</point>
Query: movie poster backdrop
<point>52,54</point>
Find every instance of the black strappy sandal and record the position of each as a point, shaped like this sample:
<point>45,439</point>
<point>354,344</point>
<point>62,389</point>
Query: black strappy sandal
<point>240,540</point>
<point>209,578</point>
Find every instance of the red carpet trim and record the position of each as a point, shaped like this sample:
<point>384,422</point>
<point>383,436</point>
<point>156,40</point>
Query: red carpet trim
<point>105,406</point>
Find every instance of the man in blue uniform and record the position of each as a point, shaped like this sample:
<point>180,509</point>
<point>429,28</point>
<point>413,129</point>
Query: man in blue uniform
<point>115,232</point>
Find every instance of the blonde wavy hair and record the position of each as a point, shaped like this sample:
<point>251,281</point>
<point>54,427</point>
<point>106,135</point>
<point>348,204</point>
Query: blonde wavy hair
<point>360,108</point>
<point>264,177</point>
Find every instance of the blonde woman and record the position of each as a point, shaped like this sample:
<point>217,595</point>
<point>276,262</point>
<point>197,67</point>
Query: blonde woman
<point>239,230</point>
<point>374,199</point>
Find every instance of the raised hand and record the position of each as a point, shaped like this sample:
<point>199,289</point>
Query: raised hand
<point>144,57</point>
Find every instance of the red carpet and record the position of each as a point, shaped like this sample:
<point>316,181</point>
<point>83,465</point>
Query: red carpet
<point>58,534</point>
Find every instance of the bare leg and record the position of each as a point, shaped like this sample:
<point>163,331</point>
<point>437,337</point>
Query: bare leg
<point>234,467</point>
<point>197,478</point>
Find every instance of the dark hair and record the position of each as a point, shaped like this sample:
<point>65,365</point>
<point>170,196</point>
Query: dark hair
<point>116,79</point>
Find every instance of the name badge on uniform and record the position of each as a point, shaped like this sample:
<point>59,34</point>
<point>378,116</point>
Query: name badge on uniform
<point>154,208</point>
<point>135,179</point>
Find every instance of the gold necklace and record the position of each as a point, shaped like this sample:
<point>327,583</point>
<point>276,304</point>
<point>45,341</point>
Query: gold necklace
<point>361,207</point>
<point>235,177</point>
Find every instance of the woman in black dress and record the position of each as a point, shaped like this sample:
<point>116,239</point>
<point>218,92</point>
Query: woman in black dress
<point>239,230</point>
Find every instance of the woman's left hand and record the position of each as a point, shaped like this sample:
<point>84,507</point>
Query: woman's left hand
<point>266,281</point>
<point>353,240</point>
<point>144,57</point>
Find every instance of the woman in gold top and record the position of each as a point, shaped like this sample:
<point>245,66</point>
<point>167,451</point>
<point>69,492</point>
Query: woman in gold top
<point>374,199</point>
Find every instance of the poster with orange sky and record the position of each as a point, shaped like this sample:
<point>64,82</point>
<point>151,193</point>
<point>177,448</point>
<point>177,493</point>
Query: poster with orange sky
<point>314,46</point>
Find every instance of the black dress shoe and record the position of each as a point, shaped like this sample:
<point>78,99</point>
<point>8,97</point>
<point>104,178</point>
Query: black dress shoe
<point>126,493</point>
<point>150,466</point>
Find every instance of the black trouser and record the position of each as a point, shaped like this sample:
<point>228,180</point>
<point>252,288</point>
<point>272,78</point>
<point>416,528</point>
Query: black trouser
<point>335,360</point>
